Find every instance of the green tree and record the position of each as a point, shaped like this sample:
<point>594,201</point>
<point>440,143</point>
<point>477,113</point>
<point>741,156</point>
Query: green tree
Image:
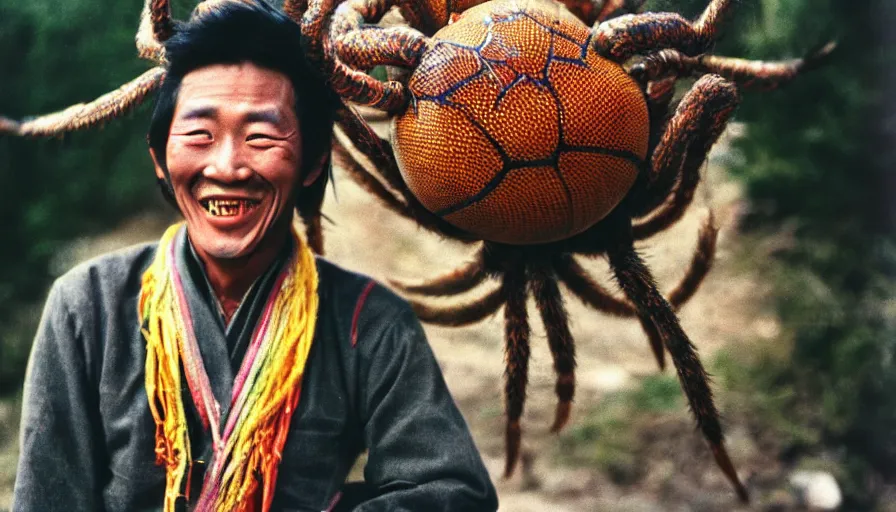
<point>818,178</point>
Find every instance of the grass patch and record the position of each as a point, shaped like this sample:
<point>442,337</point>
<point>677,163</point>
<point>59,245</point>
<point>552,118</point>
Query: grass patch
<point>608,437</point>
<point>755,391</point>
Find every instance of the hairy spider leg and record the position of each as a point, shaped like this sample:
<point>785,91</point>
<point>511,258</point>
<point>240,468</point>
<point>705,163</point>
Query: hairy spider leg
<point>701,264</point>
<point>372,146</point>
<point>160,18</point>
<point>460,314</point>
<point>87,115</point>
<point>350,84</point>
<point>563,350</point>
<point>379,152</point>
<point>659,94</point>
<point>675,165</point>
<point>155,27</point>
<point>638,285</point>
<point>461,279</point>
<point>576,278</point>
<point>590,292</point>
<point>361,176</point>
<point>667,65</point>
<point>516,354</point>
<point>623,37</point>
<point>750,74</point>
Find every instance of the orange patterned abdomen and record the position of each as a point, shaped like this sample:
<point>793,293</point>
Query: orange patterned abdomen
<point>520,133</point>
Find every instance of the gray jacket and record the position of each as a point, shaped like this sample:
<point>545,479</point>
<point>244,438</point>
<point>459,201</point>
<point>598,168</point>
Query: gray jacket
<point>371,382</point>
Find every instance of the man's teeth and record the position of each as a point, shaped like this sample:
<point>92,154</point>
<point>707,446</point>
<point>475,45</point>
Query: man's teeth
<point>229,207</point>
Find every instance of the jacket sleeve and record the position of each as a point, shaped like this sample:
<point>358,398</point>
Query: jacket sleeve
<point>57,468</point>
<point>421,455</point>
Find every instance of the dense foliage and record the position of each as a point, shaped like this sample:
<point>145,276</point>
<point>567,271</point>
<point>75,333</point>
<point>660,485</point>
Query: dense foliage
<point>818,174</point>
<point>55,54</point>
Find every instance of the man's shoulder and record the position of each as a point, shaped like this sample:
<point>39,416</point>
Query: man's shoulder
<point>355,287</point>
<point>362,303</point>
<point>111,273</point>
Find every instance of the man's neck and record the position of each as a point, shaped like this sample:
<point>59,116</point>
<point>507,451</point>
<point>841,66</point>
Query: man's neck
<point>230,279</point>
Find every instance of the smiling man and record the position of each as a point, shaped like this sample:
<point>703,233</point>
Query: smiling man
<point>225,367</point>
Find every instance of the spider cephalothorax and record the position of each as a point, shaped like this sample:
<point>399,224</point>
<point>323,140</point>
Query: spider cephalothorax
<point>518,126</point>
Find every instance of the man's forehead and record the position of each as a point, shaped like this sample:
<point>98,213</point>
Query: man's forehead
<point>263,94</point>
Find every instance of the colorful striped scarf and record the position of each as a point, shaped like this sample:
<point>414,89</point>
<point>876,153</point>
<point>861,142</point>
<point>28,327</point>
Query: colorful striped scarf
<point>243,470</point>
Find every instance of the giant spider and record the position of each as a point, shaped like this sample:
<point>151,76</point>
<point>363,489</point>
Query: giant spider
<point>516,125</point>
<point>641,184</point>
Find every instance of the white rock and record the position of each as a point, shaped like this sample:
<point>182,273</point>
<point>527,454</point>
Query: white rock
<point>817,489</point>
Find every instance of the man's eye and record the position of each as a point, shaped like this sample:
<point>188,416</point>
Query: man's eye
<point>259,136</point>
<point>197,133</point>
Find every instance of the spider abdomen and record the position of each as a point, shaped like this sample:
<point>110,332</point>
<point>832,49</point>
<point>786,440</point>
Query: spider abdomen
<point>519,132</point>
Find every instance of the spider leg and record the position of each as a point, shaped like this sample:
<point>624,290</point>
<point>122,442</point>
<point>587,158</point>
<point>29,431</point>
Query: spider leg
<point>372,146</point>
<point>366,47</point>
<point>593,294</point>
<point>753,74</point>
<point>701,264</point>
<point>460,314</point>
<point>636,281</point>
<point>698,122</point>
<point>156,26</point>
<point>659,95</point>
<point>350,84</point>
<point>563,350</point>
<point>460,280</point>
<point>327,37</point>
<point>625,36</point>
<point>86,115</point>
<point>368,181</point>
<point>379,152</point>
<point>516,353</point>
<point>589,291</point>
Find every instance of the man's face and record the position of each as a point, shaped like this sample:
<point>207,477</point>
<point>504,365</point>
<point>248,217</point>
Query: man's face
<point>233,155</point>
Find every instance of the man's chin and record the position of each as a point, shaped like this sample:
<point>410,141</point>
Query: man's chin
<point>224,247</point>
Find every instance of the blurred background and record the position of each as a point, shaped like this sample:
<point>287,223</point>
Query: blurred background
<point>797,321</point>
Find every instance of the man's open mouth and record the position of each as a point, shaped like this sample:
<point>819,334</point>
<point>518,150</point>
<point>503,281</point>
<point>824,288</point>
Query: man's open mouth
<point>229,207</point>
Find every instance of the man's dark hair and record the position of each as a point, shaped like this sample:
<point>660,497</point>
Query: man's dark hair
<point>238,32</point>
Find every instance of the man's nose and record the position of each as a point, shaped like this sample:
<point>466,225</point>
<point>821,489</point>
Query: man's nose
<point>228,163</point>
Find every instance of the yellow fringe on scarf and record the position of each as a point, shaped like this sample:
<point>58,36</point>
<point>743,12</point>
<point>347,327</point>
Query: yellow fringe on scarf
<point>256,444</point>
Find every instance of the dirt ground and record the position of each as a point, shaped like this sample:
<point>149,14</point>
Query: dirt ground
<point>612,353</point>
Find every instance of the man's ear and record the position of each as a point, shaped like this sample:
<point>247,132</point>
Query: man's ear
<point>316,170</point>
<point>160,173</point>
